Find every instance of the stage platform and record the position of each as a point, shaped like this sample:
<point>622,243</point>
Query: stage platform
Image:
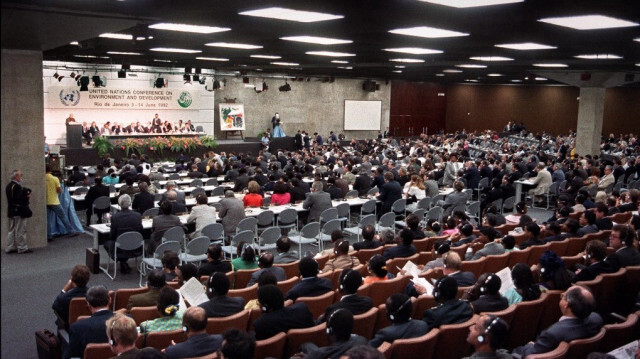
<point>88,156</point>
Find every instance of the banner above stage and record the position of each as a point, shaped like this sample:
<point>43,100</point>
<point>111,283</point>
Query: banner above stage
<point>109,98</point>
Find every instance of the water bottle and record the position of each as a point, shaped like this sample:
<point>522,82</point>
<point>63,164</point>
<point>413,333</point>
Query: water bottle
<point>106,218</point>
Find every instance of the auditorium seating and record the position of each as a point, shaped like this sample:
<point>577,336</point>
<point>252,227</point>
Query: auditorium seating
<point>161,340</point>
<point>452,340</point>
<point>290,269</point>
<point>580,348</point>
<point>242,277</point>
<point>364,324</point>
<point>141,314</point>
<point>98,351</point>
<point>272,347</point>
<point>558,353</point>
<point>219,325</point>
<point>246,293</point>
<point>296,337</point>
<point>410,348</point>
<point>318,304</point>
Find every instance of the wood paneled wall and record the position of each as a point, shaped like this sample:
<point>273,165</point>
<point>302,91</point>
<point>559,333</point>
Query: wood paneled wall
<point>415,105</point>
<point>621,110</point>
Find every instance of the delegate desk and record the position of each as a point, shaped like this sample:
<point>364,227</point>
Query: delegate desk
<point>519,184</point>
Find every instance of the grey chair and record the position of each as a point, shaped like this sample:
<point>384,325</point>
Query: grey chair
<point>386,221</point>
<point>174,176</point>
<point>218,191</point>
<point>198,191</point>
<point>344,211</point>
<point>127,241</point>
<point>268,238</point>
<point>509,203</point>
<point>265,219</point>
<point>373,191</point>
<point>351,194</point>
<point>248,224</point>
<point>308,234</point>
<point>435,213</point>
<point>327,229</point>
<point>212,182</point>
<point>151,212</point>
<point>244,236</point>
<point>473,210</point>
<point>357,230</point>
<point>150,263</point>
<point>174,234</point>
<point>196,250</point>
<point>213,231</point>
<point>287,220</point>
<point>102,204</point>
<point>328,215</point>
<point>196,183</point>
<point>81,191</point>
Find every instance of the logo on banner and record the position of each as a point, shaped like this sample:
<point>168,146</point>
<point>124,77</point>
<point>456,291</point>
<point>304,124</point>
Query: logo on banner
<point>185,99</point>
<point>69,97</point>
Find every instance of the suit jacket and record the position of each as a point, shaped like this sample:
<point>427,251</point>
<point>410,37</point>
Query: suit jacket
<point>231,212</point>
<point>83,332</point>
<point>399,251</point>
<point>604,223</point>
<point>354,303</point>
<point>337,349</point>
<point>450,173</point>
<point>605,181</point>
<point>276,271</point>
<point>241,182</point>
<point>489,249</point>
<point>131,354</point>
<point>181,197</point>
<point>195,346</point>
<point>389,193</point>
<point>146,299</point>
<point>215,266</point>
<point>366,244</point>
<point>591,272</point>
<point>341,262</point>
<point>294,316</point>
<point>61,303</point>
<point>565,330</point>
<point>309,287</point>
<point>95,192</point>
<point>203,215</point>
<point>222,306</point>
<point>472,176</point>
<point>623,257</point>
<point>362,184</point>
<point>161,223</point>
<point>453,199</point>
<point>143,201</point>
<point>125,221</point>
<point>316,203</point>
<point>451,312</point>
<point>464,279</point>
<point>286,257</point>
<point>407,330</point>
<point>489,303</point>
<point>542,182</point>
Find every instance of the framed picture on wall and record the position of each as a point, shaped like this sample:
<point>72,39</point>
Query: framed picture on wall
<point>232,117</point>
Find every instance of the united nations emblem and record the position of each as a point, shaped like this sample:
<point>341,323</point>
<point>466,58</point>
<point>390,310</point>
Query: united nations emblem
<point>69,97</point>
<point>185,99</point>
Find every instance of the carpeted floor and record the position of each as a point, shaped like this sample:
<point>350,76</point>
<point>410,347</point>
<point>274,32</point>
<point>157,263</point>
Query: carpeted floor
<point>30,283</point>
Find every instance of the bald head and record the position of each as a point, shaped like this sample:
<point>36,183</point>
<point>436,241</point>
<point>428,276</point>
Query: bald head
<point>195,319</point>
<point>266,260</point>
<point>172,195</point>
<point>580,302</point>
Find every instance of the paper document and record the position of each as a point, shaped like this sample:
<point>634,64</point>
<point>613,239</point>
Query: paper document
<point>193,292</point>
<point>505,277</point>
<point>423,282</point>
<point>411,269</point>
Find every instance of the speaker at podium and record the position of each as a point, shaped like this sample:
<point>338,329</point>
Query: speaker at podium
<point>74,135</point>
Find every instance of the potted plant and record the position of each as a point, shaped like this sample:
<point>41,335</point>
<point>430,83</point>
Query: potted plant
<point>103,145</point>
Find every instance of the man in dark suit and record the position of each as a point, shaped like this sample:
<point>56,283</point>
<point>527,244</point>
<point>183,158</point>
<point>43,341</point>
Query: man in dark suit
<point>404,247</point>
<point>75,287</point>
<point>596,253</point>
<point>219,305</point>
<point>621,239</point>
<point>449,310</point>
<point>472,175</point>
<point>602,221</point>
<point>362,182</point>
<point>231,212</point>
<point>198,342</point>
<point>578,321</point>
<point>587,223</point>
<point>143,200</point>
<point>276,317</point>
<point>378,178</point>
<point>297,141</point>
<point>155,282</point>
<point>389,193</point>
<point>92,329</point>
<point>122,334</point>
<point>368,242</point>
<point>176,206</point>
<point>161,223</point>
<point>399,310</point>
<point>490,299</point>
<point>317,201</point>
<point>123,221</point>
<point>214,262</point>
<point>96,191</point>
<point>284,252</point>
<point>339,335</point>
<point>350,281</point>
<point>171,186</point>
<point>195,172</point>
<point>451,267</point>
<point>265,262</point>
<point>242,181</point>
<point>310,285</point>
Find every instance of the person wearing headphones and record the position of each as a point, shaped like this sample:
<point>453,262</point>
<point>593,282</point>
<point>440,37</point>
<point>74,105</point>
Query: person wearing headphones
<point>246,257</point>
<point>490,299</point>
<point>486,335</point>
<point>265,262</point>
<point>596,252</point>
<point>578,320</point>
<point>378,270</point>
<point>340,336</point>
<point>155,282</point>
<point>122,334</point>
<point>92,329</point>
<point>237,344</point>
<point>198,343</point>
<point>350,281</point>
<point>399,310</point>
<point>621,239</point>
<point>310,285</point>
<point>404,247</point>
<point>449,310</point>
<point>170,313</point>
<point>219,304</point>
<point>214,262</point>
<point>276,317</point>
<point>342,259</point>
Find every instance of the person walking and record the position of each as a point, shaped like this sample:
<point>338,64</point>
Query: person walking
<point>18,200</point>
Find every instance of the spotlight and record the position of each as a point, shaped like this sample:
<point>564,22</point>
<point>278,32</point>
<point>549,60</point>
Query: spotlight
<point>122,74</point>
<point>285,87</point>
<point>159,82</point>
<point>84,83</point>
<point>78,77</point>
<point>187,70</point>
<point>216,85</point>
<point>201,80</point>
<point>187,78</point>
<point>196,78</point>
<point>58,77</point>
<point>97,82</point>
<point>73,74</point>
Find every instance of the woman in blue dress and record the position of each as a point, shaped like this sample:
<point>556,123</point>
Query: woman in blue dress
<point>277,129</point>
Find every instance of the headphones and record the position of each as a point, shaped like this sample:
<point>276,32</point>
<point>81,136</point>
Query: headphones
<point>244,249</point>
<point>112,341</point>
<point>185,328</point>
<point>444,260</point>
<point>344,279</point>
<point>436,289</point>
<point>482,337</point>
<point>393,314</point>
<point>210,288</point>
<point>483,289</point>
<point>329,329</point>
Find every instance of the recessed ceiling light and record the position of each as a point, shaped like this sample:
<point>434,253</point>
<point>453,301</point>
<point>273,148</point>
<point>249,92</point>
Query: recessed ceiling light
<point>426,31</point>
<point>516,80</point>
<point>117,36</point>
<point>281,13</point>
<point>471,80</point>
<point>234,45</point>
<point>399,66</point>
<point>329,53</point>
<point>407,60</point>
<point>472,66</point>
<point>599,57</point>
<point>541,79</point>
<point>490,58</point>
<point>550,65</point>
<point>638,39</point>
<point>91,56</point>
<point>345,67</point>
<point>638,64</point>
<point>74,43</point>
<point>452,71</point>
<point>316,40</point>
<point>171,49</point>
<point>212,58</point>
<point>495,75</point>
<point>285,63</point>
<point>123,53</point>
<point>188,28</point>
<point>526,46</point>
<point>140,38</point>
<point>588,22</point>
<point>471,3</point>
<point>397,71</point>
<point>161,60</point>
<point>440,75</point>
<point>272,57</point>
<point>414,50</point>
<point>339,61</point>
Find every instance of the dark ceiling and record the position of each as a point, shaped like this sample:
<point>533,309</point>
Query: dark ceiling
<point>49,25</point>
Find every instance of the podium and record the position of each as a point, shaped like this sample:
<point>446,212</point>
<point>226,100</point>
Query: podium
<point>74,135</point>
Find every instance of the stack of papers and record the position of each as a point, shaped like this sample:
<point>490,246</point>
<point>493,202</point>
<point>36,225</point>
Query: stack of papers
<point>413,270</point>
<point>193,292</point>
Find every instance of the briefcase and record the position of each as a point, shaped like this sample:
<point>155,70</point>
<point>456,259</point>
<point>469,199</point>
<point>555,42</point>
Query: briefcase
<point>93,260</point>
<point>48,346</point>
